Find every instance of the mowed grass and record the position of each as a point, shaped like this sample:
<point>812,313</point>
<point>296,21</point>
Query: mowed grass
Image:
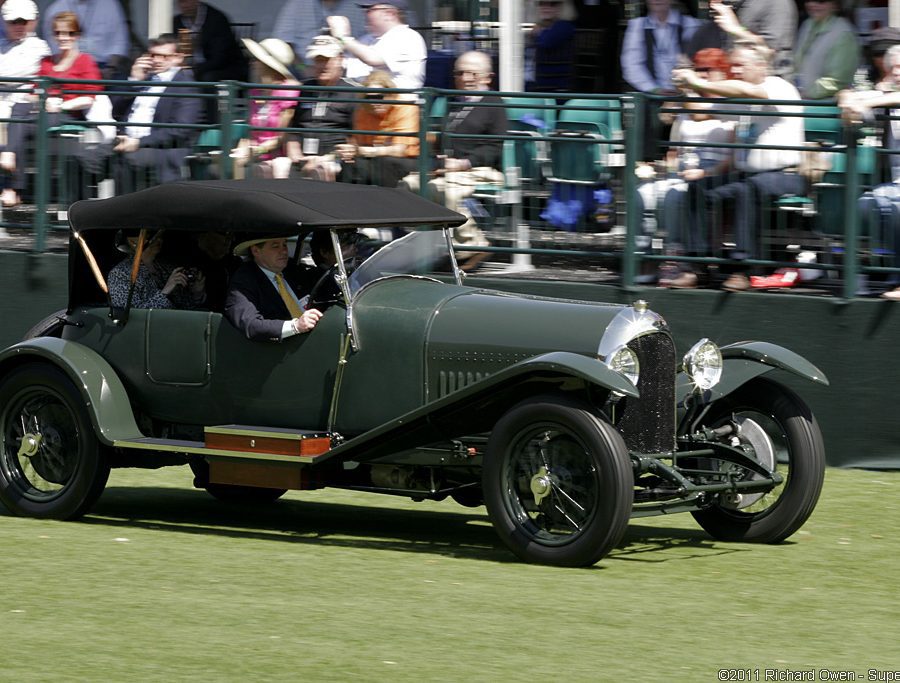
<point>163,583</point>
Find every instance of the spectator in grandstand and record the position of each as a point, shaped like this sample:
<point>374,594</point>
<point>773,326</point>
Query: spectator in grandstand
<point>762,174</point>
<point>881,205</point>
<point>380,158</point>
<point>319,113</point>
<point>467,162</point>
<point>142,147</point>
<point>390,45</point>
<point>211,50</point>
<point>21,51</point>
<point>883,39</point>
<point>676,196</point>
<point>826,53</point>
<point>104,32</point>
<point>300,21</point>
<point>550,48</point>
<point>772,23</point>
<point>652,46</point>
<point>265,149</point>
<point>216,55</point>
<point>62,105</point>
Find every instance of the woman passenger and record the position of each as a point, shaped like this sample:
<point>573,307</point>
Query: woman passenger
<point>158,284</point>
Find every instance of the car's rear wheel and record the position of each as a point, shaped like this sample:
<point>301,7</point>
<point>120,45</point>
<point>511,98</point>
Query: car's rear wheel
<point>558,482</point>
<point>783,433</point>
<point>51,464</point>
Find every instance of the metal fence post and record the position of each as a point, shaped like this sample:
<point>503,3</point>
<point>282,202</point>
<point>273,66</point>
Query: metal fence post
<point>425,103</point>
<point>227,93</point>
<point>633,114</point>
<point>851,219</point>
<point>42,177</point>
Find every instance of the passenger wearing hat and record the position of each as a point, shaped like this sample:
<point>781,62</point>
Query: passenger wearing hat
<point>21,51</point>
<point>272,60</point>
<point>389,45</point>
<point>264,296</point>
<point>320,112</point>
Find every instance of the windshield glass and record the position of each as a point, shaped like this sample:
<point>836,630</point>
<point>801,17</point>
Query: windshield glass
<point>417,253</point>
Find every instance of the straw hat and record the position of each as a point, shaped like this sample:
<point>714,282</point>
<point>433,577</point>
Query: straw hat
<point>274,53</point>
<point>243,248</point>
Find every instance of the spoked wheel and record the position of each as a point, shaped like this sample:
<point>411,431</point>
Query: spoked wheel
<point>785,437</point>
<point>558,483</point>
<point>51,464</point>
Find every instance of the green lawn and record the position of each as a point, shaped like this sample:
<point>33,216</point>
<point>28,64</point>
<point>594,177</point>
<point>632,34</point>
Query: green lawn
<point>164,583</point>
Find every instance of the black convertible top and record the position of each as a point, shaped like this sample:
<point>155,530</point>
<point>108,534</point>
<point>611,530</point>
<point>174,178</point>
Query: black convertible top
<point>261,205</point>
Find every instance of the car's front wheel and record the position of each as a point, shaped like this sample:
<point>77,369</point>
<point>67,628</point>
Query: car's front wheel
<point>781,430</point>
<point>51,464</point>
<point>558,482</point>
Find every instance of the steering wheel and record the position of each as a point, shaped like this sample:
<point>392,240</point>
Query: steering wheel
<point>326,292</point>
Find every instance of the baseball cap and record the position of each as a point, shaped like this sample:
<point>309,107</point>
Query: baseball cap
<point>19,9</point>
<point>401,5</point>
<point>324,46</point>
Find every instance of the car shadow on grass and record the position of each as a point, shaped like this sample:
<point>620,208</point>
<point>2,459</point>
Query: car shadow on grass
<point>645,543</point>
<point>462,534</point>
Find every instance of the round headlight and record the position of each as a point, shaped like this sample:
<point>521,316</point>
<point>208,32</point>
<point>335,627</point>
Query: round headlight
<point>704,364</point>
<point>624,361</point>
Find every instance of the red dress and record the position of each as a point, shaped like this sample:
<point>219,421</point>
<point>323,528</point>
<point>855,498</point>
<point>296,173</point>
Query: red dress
<point>84,67</point>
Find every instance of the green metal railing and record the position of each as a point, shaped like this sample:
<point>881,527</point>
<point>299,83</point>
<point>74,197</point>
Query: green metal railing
<point>232,107</point>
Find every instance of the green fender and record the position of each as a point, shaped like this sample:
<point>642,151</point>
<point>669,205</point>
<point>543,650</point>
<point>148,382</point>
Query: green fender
<point>103,391</point>
<point>742,361</point>
<point>451,414</point>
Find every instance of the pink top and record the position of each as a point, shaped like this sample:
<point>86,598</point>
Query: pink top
<point>267,113</point>
<point>84,67</point>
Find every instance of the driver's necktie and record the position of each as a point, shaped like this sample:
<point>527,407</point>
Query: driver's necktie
<point>289,301</point>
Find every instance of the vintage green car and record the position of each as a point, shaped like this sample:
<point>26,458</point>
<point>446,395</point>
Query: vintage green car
<point>564,418</point>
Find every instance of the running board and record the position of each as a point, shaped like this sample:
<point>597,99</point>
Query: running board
<point>243,441</point>
<point>245,455</point>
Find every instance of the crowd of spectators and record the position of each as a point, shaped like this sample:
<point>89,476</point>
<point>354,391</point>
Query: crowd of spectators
<point>752,49</point>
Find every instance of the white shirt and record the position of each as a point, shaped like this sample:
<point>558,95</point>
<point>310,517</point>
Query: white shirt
<point>771,130</point>
<point>144,107</point>
<point>22,58</point>
<point>403,52</point>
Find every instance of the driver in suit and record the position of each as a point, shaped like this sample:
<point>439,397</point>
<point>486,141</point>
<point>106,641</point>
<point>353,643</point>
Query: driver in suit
<point>264,295</point>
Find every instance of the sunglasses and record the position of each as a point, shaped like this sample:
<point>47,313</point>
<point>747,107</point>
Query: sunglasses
<point>64,34</point>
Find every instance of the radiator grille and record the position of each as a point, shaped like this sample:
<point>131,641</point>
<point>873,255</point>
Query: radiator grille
<point>648,423</point>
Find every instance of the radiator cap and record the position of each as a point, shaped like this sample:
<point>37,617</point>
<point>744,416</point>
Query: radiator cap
<point>640,306</point>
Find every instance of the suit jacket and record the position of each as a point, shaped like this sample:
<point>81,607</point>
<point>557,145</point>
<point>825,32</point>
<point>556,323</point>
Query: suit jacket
<point>254,306</point>
<point>168,110</point>
<point>223,58</point>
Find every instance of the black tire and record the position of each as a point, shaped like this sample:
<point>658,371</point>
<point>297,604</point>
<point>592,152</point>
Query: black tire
<point>66,469</point>
<point>775,413</point>
<point>558,482</point>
